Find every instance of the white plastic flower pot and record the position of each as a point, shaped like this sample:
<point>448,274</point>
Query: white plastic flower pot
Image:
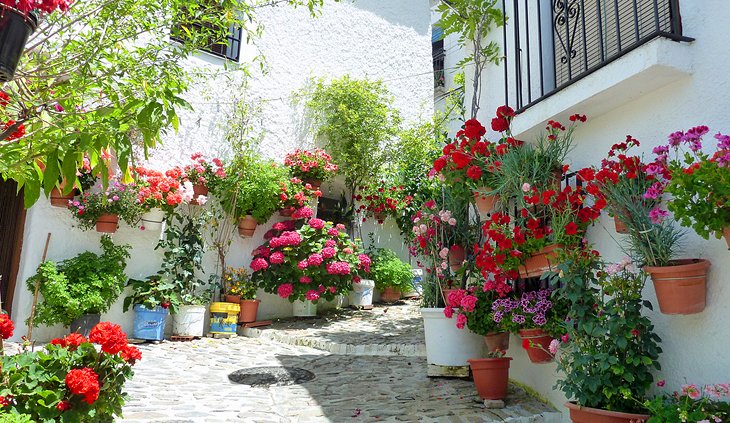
<point>153,220</point>
<point>189,320</point>
<point>447,345</point>
<point>362,294</point>
<point>305,308</point>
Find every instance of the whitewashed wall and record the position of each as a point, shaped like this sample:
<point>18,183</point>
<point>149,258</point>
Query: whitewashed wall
<point>695,347</point>
<point>378,39</point>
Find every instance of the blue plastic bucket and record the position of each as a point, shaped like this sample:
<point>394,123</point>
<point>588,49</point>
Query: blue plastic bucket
<point>149,324</point>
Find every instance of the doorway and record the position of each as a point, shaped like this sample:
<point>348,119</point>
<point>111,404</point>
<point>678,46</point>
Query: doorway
<point>12,222</point>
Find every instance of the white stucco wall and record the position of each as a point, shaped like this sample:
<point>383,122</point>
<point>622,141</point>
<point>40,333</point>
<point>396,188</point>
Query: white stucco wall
<point>694,346</point>
<point>377,39</point>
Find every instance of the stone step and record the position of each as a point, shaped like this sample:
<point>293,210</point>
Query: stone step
<point>391,349</point>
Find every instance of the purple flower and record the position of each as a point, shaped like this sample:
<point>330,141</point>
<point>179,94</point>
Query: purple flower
<point>657,215</point>
<point>661,150</point>
<point>723,141</point>
<point>518,318</point>
<point>675,138</point>
<point>654,191</point>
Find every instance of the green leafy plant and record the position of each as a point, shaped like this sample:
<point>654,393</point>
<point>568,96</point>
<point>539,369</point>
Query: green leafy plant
<point>692,404</point>
<point>389,271</point>
<point>610,350</point>
<point>85,284</point>
<point>117,199</point>
<point>68,380</point>
<point>357,120</point>
<point>152,292</point>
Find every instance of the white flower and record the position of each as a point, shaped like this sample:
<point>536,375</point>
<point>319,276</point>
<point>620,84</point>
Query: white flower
<point>202,199</point>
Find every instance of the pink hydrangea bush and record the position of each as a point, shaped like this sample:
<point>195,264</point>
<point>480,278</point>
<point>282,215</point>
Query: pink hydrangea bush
<point>308,259</point>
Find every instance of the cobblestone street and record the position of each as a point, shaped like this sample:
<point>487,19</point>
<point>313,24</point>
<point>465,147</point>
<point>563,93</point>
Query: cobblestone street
<point>188,381</point>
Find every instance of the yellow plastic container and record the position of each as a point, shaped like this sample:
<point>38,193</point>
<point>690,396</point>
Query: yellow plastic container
<point>224,317</point>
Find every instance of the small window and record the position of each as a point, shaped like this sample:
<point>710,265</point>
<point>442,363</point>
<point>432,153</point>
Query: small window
<point>439,54</point>
<point>229,47</point>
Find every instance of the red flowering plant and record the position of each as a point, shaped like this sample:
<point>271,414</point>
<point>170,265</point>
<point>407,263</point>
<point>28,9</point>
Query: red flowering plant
<point>311,166</point>
<point>45,6</point>
<point>308,259</point>
<point>160,190</point>
<point>204,172</point>
<point>381,199</point>
<point>429,242</point>
<point>295,193</point>
<point>699,182</point>
<point>70,379</point>
<point>117,199</point>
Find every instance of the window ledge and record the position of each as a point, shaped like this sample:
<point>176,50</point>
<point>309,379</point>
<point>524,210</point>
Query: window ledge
<point>646,69</point>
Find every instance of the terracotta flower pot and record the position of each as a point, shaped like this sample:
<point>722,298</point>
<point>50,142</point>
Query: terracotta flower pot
<point>491,376</point>
<point>485,203</point>
<point>390,295</point>
<point>198,190</point>
<point>315,183</point>
<point>680,288</point>
<point>249,310</point>
<point>247,226</point>
<point>540,262</point>
<point>107,223</point>
<point>536,343</point>
<point>726,234</point>
<point>620,226</point>
<point>235,299</point>
<point>287,211</point>
<point>457,254</point>
<point>58,199</point>
<point>580,414</point>
<point>497,341</point>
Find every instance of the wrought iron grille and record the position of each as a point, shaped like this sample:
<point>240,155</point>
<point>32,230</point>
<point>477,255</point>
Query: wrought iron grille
<point>439,55</point>
<point>230,49</point>
<point>550,44</point>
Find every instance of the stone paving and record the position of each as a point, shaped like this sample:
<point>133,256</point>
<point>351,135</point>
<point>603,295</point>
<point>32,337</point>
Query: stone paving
<point>385,330</point>
<point>188,381</point>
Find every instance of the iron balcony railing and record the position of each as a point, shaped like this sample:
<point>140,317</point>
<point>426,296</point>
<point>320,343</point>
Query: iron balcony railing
<point>550,44</point>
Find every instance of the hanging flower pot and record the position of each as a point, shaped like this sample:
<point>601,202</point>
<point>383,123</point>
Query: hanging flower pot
<point>247,226</point>
<point>580,414</point>
<point>153,219</point>
<point>58,199</point>
<point>390,295</point>
<point>485,203</point>
<point>491,376</point>
<point>198,190</point>
<point>536,343</point>
<point>681,287</point>
<point>15,28</point>
<point>457,254</point>
<point>107,223</point>
<point>540,262</point>
<point>497,341</point>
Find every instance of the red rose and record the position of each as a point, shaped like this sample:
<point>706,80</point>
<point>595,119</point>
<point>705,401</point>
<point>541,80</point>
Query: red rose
<point>83,382</point>
<point>474,172</point>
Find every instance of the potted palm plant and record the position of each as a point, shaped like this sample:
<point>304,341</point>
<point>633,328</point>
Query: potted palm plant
<point>609,349</point>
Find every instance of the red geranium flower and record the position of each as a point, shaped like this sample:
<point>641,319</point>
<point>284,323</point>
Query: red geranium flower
<point>6,326</point>
<point>110,336</point>
<point>83,382</point>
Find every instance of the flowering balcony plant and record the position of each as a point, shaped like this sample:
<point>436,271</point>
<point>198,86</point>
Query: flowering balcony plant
<point>692,404</point>
<point>313,167</point>
<point>308,259</point>
<point>699,183</point>
<point>430,241</point>
<point>102,208</point>
<point>381,199</point>
<point>294,194</point>
<point>609,349</point>
<point>473,307</point>
<point>203,173</point>
<point>70,380</point>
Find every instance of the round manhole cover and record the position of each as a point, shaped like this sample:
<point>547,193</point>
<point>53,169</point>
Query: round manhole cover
<point>271,376</point>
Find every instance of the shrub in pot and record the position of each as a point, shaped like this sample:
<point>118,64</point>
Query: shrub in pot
<point>392,275</point>
<point>152,299</point>
<point>102,208</point>
<point>308,259</point>
<point>609,350</point>
<point>87,284</point>
<point>69,379</point>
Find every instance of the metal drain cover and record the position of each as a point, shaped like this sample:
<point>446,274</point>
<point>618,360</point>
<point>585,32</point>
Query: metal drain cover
<point>271,376</point>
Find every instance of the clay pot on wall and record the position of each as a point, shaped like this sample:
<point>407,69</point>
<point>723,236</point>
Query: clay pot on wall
<point>107,223</point>
<point>540,262</point>
<point>680,288</point>
<point>247,226</point>
<point>536,343</point>
<point>198,190</point>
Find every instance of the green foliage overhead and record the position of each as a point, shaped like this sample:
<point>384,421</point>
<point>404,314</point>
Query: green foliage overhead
<point>357,120</point>
<point>389,271</point>
<point>86,284</point>
<point>107,75</point>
